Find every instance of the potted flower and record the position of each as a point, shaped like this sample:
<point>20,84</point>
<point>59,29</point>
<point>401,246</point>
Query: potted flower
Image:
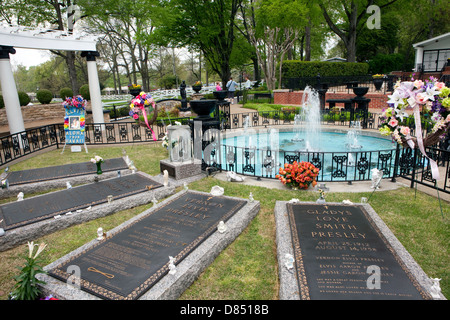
<point>197,86</point>
<point>378,81</point>
<point>75,102</point>
<point>321,196</point>
<point>98,161</point>
<point>298,175</point>
<point>26,287</point>
<point>134,89</point>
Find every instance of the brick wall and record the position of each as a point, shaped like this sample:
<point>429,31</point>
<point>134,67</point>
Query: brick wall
<point>378,100</point>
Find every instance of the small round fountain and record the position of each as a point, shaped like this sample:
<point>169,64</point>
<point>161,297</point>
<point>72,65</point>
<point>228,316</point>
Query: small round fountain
<point>352,136</point>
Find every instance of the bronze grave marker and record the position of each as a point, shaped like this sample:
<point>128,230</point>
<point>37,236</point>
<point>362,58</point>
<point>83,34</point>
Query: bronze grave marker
<point>340,253</point>
<point>127,264</point>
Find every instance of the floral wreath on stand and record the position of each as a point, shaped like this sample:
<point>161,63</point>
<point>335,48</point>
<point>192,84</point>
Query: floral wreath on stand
<point>138,105</point>
<point>75,102</point>
<point>432,97</point>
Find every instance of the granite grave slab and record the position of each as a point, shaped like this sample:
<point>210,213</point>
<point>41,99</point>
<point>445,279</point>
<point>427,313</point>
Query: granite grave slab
<point>55,177</point>
<point>343,252</point>
<point>34,217</point>
<point>63,171</point>
<point>133,261</point>
<point>20,213</point>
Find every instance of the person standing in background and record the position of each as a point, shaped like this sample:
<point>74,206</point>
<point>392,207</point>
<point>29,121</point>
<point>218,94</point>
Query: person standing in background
<point>231,87</point>
<point>248,83</point>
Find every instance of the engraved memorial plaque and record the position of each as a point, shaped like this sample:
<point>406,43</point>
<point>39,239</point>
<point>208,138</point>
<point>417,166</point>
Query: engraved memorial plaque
<point>131,261</point>
<point>20,213</point>
<point>340,253</point>
<point>63,171</point>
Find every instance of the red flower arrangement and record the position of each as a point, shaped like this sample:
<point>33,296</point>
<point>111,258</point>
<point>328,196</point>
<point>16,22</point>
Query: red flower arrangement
<point>298,174</point>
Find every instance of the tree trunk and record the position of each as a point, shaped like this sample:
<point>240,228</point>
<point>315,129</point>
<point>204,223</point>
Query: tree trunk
<point>308,42</point>
<point>256,73</point>
<point>70,61</point>
<point>351,37</point>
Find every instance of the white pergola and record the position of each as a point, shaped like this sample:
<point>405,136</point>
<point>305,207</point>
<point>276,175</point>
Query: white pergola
<point>44,39</point>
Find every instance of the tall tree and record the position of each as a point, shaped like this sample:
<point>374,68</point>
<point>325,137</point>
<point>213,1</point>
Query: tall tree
<point>205,25</point>
<point>132,23</point>
<point>275,28</point>
<point>346,18</point>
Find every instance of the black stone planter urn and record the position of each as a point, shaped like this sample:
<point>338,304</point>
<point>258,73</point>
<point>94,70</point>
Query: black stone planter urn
<point>378,82</point>
<point>135,92</point>
<point>196,88</point>
<point>203,108</point>
<point>220,95</point>
<point>360,91</point>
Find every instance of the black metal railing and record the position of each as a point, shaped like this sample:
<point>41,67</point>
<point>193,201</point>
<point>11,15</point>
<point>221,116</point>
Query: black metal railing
<point>23,143</point>
<point>334,166</point>
<point>340,166</point>
<point>415,167</point>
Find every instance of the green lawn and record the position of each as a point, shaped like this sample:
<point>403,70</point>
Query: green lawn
<point>247,269</point>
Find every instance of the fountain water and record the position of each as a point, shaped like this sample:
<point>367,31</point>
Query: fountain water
<point>297,129</point>
<point>248,131</point>
<point>308,122</point>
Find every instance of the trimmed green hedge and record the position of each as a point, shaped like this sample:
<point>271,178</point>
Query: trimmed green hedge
<point>44,96</point>
<point>84,92</point>
<point>24,98</point>
<point>297,69</point>
<point>65,93</point>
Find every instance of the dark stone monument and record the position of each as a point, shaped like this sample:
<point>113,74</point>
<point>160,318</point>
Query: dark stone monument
<point>19,213</point>
<point>63,171</point>
<point>37,216</point>
<point>134,258</point>
<point>341,253</point>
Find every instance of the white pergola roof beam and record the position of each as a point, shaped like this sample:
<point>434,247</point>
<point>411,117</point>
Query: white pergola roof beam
<point>46,39</point>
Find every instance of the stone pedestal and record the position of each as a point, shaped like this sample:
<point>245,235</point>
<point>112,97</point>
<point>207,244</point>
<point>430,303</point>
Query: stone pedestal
<point>181,170</point>
<point>197,96</point>
<point>184,114</point>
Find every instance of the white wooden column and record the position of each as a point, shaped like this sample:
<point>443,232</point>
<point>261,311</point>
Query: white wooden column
<point>9,91</point>
<point>419,58</point>
<point>94,86</point>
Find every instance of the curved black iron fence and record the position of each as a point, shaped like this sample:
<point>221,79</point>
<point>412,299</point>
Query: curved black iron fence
<point>337,166</point>
<point>333,166</point>
<point>340,166</point>
<point>21,144</point>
